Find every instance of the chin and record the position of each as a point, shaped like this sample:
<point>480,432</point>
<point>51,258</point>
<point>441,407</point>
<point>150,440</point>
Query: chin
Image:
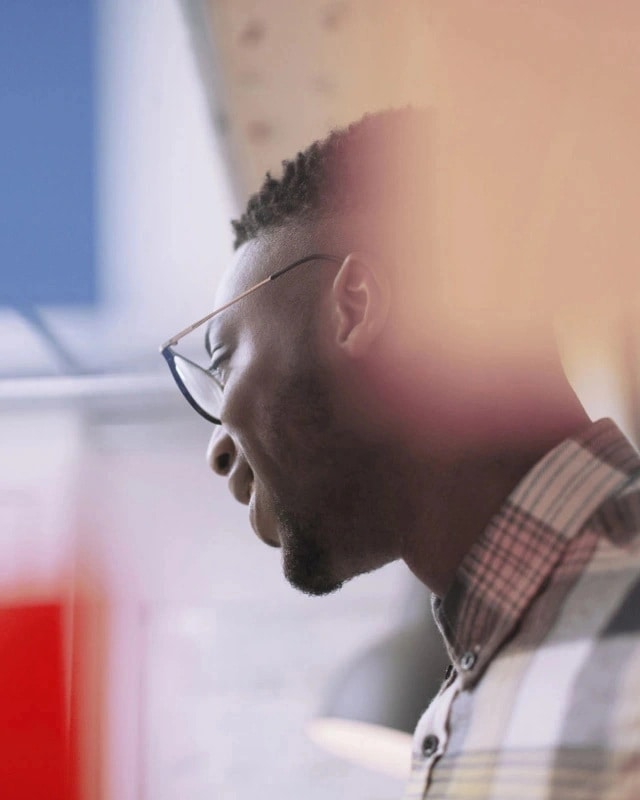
<point>307,569</point>
<point>312,559</point>
<point>315,585</point>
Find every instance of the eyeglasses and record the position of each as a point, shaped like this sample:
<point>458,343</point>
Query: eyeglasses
<point>199,385</point>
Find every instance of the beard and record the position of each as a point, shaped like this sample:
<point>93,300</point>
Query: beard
<point>326,506</point>
<point>306,559</point>
<point>304,424</point>
<point>329,530</point>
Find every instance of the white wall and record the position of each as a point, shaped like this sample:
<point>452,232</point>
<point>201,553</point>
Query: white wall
<point>163,201</point>
<point>216,664</point>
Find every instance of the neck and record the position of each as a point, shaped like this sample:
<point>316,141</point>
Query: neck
<point>454,499</point>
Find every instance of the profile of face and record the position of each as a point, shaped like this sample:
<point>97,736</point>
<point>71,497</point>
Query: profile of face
<point>291,444</point>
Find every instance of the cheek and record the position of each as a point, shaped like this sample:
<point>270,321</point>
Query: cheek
<point>277,407</point>
<point>249,414</point>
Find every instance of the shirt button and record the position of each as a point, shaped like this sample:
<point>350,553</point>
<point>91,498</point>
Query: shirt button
<point>467,661</point>
<point>429,745</point>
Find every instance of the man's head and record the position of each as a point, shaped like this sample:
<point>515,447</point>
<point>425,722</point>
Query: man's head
<point>300,441</point>
<point>376,170</point>
<point>346,417</point>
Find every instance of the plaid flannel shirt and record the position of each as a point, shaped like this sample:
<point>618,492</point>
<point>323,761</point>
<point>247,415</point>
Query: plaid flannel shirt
<point>543,628</point>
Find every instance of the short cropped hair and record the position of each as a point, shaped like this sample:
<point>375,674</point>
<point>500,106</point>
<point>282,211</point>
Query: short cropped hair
<point>377,161</point>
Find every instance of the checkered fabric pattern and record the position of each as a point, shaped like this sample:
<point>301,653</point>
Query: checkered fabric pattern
<point>543,628</point>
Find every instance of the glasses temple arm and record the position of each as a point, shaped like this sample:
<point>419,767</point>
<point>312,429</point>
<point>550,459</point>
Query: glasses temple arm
<point>315,257</point>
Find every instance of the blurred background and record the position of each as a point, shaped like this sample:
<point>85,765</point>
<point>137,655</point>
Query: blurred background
<point>132,133</point>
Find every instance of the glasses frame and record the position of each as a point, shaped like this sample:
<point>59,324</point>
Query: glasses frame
<point>168,353</point>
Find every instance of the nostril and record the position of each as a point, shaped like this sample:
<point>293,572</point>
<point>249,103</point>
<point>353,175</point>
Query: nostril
<point>223,463</point>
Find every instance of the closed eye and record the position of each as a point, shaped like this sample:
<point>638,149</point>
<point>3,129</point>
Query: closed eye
<point>214,367</point>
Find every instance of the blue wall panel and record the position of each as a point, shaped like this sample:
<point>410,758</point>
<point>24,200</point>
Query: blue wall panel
<point>47,153</point>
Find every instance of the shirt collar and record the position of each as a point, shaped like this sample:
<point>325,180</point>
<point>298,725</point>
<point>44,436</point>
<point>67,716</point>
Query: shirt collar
<point>507,566</point>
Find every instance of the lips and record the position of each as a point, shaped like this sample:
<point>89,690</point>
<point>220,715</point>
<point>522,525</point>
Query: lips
<point>241,485</point>
<point>262,522</point>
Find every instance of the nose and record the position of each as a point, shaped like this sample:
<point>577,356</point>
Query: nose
<point>226,460</point>
<point>221,452</point>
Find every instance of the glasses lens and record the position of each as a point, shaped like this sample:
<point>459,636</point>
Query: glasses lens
<point>202,386</point>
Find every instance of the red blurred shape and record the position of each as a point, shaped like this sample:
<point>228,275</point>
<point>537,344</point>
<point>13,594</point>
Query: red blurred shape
<point>34,752</point>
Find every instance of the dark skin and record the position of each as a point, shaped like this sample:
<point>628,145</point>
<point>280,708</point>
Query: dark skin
<point>354,432</point>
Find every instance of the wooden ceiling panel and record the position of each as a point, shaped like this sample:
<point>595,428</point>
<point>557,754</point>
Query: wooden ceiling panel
<point>294,70</point>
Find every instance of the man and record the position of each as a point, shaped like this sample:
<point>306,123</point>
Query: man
<point>363,418</point>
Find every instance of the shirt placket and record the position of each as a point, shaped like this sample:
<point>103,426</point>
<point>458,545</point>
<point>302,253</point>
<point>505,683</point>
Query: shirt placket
<point>430,740</point>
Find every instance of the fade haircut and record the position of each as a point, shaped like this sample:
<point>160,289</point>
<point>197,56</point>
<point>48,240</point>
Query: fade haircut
<point>374,166</point>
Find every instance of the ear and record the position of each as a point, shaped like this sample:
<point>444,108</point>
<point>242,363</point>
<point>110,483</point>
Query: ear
<point>361,296</point>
